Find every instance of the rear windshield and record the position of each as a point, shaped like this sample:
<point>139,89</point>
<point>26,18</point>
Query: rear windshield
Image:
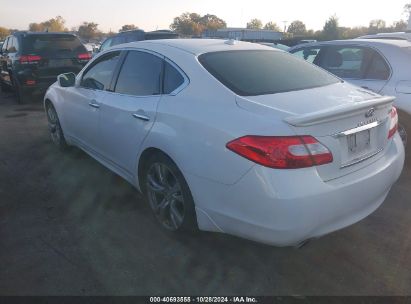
<point>51,44</point>
<point>260,72</point>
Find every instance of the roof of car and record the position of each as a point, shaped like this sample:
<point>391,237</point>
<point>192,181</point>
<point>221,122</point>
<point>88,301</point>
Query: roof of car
<point>375,42</point>
<point>199,46</point>
<point>25,33</point>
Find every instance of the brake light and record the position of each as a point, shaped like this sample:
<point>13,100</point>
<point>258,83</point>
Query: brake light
<point>393,122</point>
<point>84,56</point>
<point>282,152</point>
<point>28,59</point>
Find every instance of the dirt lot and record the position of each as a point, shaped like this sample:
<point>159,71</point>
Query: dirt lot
<point>68,226</point>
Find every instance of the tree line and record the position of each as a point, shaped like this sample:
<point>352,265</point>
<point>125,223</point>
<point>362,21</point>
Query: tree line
<point>193,25</point>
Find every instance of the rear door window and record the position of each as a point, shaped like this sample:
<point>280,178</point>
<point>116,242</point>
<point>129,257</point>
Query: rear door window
<point>355,62</point>
<point>378,68</point>
<point>11,47</point>
<point>100,74</point>
<point>346,61</point>
<point>106,44</point>
<point>309,54</point>
<point>140,74</point>
<point>53,44</point>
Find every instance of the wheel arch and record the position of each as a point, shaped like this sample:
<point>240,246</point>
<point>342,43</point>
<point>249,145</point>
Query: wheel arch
<point>142,162</point>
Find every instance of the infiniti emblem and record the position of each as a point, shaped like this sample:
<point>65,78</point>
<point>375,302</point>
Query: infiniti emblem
<point>370,113</point>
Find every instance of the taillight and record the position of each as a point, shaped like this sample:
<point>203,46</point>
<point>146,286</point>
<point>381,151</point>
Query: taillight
<point>29,59</point>
<point>282,152</point>
<point>393,122</point>
<point>84,56</point>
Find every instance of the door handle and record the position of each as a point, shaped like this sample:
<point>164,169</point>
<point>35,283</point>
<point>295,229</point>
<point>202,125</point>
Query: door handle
<point>141,115</point>
<point>94,104</point>
<point>365,87</point>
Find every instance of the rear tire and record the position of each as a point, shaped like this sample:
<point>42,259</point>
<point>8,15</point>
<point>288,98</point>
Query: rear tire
<point>404,129</point>
<point>21,95</point>
<point>404,126</point>
<point>168,194</point>
<point>4,87</point>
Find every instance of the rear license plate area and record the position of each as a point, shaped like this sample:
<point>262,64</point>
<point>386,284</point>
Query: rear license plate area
<point>358,142</point>
<point>57,63</point>
<point>360,146</point>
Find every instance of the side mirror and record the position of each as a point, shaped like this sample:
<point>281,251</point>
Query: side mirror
<point>67,80</point>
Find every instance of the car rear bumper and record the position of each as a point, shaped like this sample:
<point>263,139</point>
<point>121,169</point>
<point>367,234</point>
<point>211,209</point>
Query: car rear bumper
<point>286,207</point>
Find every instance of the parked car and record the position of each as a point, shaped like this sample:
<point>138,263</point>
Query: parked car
<point>389,36</point>
<point>31,61</point>
<point>378,65</point>
<point>276,45</point>
<point>136,35</point>
<point>232,137</point>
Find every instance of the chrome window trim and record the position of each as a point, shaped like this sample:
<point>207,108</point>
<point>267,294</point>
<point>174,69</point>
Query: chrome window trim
<point>175,92</point>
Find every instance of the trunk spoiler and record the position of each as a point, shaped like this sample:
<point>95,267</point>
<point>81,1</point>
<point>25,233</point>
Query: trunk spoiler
<point>344,111</point>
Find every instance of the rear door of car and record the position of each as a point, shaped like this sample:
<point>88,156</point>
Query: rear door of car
<point>360,65</point>
<point>128,113</point>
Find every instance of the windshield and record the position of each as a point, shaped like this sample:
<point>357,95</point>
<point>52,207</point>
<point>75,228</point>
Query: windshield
<point>260,72</point>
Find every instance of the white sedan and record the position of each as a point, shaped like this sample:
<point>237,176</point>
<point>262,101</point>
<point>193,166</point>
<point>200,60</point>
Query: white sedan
<point>380,65</point>
<point>232,137</point>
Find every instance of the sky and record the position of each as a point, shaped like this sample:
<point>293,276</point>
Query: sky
<point>159,14</point>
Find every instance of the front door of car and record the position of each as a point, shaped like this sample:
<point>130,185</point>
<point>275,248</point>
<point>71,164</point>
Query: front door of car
<point>129,112</point>
<point>359,65</point>
<point>82,103</point>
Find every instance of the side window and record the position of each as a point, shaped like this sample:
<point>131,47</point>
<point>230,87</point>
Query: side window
<point>100,74</point>
<point>11,45</point>
<point>309,54</point>
<point>140,75</point>
<point>106,44</point>
<point>378,67</point>
<point>345,62</point>
<point>4,48</point>
<point>172,78</point>
<point>118,40</point>
<point>16,44</point>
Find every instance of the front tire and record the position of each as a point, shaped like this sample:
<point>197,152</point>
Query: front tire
<point>56,132</point>
<point>168,194</point>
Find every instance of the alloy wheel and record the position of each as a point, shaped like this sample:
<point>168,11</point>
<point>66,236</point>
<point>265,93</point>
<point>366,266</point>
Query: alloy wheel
<point>165,196</point>
<point>54,125</point>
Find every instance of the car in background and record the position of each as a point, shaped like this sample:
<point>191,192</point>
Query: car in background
<point>276,45</point>
<point>31,61</point>
<point>379,65</point>
<point>136,35</point>
<point>389,36</point>
<point>232,137</point>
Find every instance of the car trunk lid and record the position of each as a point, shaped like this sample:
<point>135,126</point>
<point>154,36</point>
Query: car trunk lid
<point>352,123</point>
